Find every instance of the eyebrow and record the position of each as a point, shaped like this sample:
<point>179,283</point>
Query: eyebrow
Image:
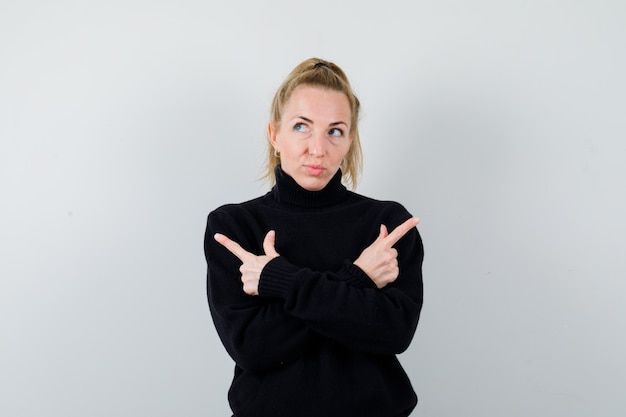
<point>306,119</point>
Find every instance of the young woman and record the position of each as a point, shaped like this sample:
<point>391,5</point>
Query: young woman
<point>313,288</point>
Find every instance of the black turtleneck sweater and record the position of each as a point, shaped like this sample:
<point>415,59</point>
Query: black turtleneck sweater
<point>320,339</point>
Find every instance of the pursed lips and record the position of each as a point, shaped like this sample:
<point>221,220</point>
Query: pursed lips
<point>314,169</point>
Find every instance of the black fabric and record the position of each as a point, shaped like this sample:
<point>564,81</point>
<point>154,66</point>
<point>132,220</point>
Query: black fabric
<point>320,339</point>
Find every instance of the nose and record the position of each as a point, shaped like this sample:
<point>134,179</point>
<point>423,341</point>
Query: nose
<point>317,144</point>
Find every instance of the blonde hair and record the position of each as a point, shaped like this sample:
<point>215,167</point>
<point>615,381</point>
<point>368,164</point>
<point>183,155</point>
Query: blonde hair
<point>319,73</point>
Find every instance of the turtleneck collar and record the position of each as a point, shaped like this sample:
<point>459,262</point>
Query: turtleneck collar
<point>287,191</point>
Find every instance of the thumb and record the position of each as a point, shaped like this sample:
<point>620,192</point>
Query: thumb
<point>383,232</point>
<point>268,244</point>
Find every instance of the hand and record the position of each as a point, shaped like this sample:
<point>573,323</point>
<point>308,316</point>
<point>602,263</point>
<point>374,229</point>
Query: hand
<point>379,260</point>
<point>252,265</point>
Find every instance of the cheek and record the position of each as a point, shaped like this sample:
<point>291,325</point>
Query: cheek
<point>345,150</point>
<point>290,150</point>
<point>294,147</point>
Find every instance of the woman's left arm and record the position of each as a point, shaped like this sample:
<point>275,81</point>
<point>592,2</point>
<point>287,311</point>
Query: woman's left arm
<point>338,305</point>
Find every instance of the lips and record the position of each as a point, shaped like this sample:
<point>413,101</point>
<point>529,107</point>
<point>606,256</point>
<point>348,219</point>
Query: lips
<point>315,170</point>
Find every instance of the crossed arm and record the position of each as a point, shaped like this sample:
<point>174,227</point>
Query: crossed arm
<point>261,333</point>
<point>378,261</point>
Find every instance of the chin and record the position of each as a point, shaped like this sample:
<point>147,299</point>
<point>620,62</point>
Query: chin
<point>313,184</point>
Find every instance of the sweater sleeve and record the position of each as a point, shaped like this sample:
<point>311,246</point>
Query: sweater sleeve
<point>360,317</point>
<point>258,333</point>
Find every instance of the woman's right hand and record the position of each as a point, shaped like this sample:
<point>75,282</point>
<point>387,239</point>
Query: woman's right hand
<point>251,264</point>
<point>379,260</point>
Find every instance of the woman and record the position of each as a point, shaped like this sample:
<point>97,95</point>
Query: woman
<point>310,293</point>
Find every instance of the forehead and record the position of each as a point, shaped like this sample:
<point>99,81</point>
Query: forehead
<point>306,100</point>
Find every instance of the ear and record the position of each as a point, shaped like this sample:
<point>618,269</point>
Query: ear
<point>271,134</point>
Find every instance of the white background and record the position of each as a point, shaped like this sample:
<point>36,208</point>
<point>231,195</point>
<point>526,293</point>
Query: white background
<point>501,124</point>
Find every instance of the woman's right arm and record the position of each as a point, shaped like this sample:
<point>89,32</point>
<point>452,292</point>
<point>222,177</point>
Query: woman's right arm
<point>257,333</point>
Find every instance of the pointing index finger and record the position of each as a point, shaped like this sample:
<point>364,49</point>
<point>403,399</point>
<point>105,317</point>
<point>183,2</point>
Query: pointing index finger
<point>401,230</point>
<point>232,246</point>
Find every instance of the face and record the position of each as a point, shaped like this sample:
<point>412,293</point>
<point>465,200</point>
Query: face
<point>313,135</point>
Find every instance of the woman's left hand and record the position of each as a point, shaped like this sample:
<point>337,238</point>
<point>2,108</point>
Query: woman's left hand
<point>252,264</point>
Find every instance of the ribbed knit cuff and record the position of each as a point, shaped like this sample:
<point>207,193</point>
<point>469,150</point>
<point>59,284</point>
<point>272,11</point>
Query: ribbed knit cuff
<point>279,275</point>
<point>354,276</point>
<point>276,278</point>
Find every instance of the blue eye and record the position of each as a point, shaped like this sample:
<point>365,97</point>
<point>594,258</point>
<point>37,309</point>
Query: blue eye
<point>300,127</point>
<point>335,132</point>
